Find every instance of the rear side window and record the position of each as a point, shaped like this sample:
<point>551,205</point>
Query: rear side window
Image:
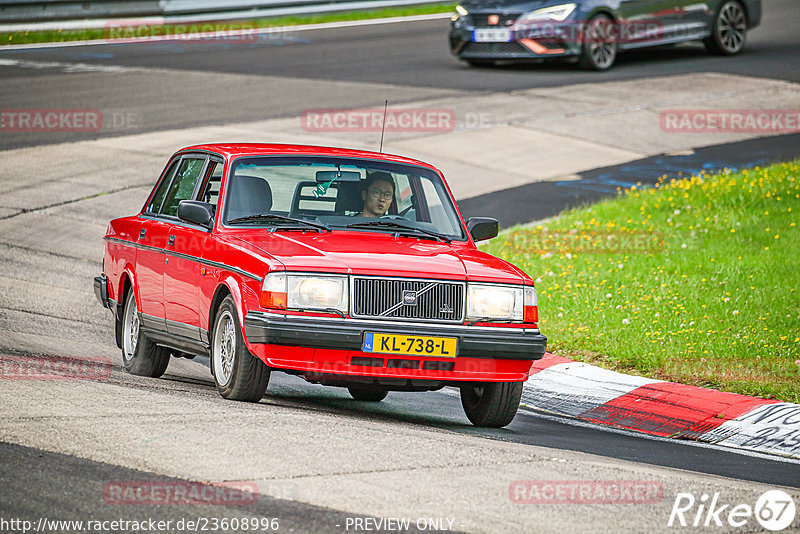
<point>182,185</point>
<point>158,196</point>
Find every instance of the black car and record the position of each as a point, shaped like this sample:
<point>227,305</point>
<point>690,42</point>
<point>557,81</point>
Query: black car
<point>594,31</point>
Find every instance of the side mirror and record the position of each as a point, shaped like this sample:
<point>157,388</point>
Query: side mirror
<point>481,228</point>
<point>196,212</point>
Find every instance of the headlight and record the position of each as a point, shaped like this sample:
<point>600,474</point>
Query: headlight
<point>304,292</point>
<point>558,13</point>
<point>460,12</point>
<point>487,301</point>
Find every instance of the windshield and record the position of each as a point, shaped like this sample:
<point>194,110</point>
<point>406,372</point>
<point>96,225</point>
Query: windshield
<point>358,194</point>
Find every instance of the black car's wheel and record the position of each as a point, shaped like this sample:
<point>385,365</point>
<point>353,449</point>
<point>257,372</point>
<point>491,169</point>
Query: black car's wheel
<point>140,356</point>
<point>238,374</point>
<point>368,394</point>
<point>491,404</point>
<point>730,30</point>
<point>600,43</point>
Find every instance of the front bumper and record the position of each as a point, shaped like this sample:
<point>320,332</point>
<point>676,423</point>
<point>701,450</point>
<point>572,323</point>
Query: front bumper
<point>101,290</point>
<point>525,45</point>
<point>526,344</point>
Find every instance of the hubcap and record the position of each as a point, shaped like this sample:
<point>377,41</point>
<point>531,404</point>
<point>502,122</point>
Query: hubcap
<point>602,43</point>
<point>224,347</point>
<point>731,27</point>
<point>131,331</point>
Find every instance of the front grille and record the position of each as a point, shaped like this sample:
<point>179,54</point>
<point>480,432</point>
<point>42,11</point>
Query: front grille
<point>495,48</point>
<point>383,298</point>
<point>481,20</point>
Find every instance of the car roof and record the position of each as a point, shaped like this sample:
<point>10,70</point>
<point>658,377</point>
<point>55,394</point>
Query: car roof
<point>233,150</point>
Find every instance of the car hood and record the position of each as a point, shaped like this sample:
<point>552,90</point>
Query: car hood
<point>381,254</point>
<point>508,6</point>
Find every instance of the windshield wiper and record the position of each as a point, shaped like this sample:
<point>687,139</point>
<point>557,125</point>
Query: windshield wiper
<point>390,225</point>
<point>278,219</point>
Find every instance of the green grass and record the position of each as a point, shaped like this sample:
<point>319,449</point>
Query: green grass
<point>692,281</point>
<point>28,37</point>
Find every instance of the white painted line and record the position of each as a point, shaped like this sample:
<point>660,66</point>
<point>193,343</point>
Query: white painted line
<point>65,67</point>
<point>220,35</point>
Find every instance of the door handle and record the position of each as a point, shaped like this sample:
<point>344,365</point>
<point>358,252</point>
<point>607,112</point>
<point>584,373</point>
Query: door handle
<point>142,232</point>
<point>172,240</point>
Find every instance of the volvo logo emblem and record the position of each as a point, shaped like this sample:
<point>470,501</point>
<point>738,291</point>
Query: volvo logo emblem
<point>410,298</point>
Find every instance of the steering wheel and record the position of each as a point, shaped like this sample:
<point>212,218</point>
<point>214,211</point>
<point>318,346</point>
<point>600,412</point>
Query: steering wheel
<point>393,217</point>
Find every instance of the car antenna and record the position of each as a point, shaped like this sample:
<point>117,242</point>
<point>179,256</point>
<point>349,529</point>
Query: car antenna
<point>383,126</point>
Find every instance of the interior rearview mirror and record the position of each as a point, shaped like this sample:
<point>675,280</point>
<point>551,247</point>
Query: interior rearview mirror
<point>339,176</point>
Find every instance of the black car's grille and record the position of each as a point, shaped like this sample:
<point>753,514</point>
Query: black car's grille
<point>390,298</point>
<point>495,48</point>
<point>481,20</point>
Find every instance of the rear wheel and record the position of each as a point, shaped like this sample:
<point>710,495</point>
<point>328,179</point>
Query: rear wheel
<point>140,356</point>
<point>368,394</point>
<point>600,43</point>
<point>491,404</point>
<point>730,30</point>
<point>238,374</point>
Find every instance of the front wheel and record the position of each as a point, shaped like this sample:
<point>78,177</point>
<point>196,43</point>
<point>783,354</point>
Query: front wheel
<point>730,30</point>
<point>600,44</point>
<point>140,356</point>
<point>491,404</point>
<point>368,394</point>
<point>238,374</point>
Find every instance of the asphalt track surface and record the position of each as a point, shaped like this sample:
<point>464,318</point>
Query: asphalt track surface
<point>412,56</point>
<point>30,480</point>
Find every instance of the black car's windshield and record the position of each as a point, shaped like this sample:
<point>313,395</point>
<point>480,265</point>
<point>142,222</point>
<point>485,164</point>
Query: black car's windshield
<point>341,193</point>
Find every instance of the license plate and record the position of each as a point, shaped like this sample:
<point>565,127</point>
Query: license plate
<point>440,347</point>
<point>491,35</point>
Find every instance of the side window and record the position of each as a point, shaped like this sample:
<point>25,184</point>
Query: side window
<point>158,196</point>
<point>210,192</point>
<point>183,185</point>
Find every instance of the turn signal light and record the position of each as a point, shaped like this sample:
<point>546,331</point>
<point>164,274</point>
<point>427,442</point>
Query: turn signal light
<point>531,308</point>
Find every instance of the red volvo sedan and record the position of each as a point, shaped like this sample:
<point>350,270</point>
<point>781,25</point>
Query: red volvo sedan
<point>348,268</point>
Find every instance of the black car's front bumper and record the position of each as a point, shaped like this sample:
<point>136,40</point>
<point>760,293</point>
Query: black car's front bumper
<point>348,334</point>
<point>525,45</point>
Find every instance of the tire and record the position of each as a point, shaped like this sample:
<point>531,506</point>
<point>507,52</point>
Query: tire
<point>491,404</point>
<point>140,356</point>
<point>238,374</point>
<point>368,394</point>
<point>599,44</point>
<point>729,33</point>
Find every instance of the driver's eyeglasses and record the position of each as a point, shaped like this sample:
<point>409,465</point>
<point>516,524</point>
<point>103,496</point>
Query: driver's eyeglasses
<point>383,195</point>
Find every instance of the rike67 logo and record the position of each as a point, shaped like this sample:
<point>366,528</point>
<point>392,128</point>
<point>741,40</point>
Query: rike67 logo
<point>774,510</point>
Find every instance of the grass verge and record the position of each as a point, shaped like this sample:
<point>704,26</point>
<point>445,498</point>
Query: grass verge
<point>114,30</point>
<point>693,281</point>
